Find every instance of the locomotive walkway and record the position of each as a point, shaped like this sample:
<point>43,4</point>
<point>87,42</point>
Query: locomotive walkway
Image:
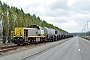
<point>75,48</point>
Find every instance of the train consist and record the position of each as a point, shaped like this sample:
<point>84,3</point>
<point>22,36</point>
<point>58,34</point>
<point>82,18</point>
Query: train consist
<point>35,34</point>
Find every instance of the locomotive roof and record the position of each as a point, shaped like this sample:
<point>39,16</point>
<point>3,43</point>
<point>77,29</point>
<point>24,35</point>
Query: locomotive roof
<point>30,28</point>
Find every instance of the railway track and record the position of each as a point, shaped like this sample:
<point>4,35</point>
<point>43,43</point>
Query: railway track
<point>7,47</point>
<point>13,47</point>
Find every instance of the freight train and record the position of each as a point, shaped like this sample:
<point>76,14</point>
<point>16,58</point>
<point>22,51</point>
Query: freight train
<point>35,34</point>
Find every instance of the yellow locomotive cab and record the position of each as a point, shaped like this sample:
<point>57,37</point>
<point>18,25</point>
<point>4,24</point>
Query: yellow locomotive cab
<point>19,32</point>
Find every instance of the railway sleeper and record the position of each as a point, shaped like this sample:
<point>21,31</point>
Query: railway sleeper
<point>7,49</point>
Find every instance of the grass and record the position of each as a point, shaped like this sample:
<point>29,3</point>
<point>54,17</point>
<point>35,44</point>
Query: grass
<point>88,38</point>
<point>1,42</point>
<point>6,43</point>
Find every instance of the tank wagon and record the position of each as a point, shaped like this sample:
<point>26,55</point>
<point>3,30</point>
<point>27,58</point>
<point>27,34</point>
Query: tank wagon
<point>58,35</point>
<point>35,34</point>
<point>50,34</point>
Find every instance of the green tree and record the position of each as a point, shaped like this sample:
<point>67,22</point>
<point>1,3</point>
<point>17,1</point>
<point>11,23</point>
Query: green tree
<point>13,17</point>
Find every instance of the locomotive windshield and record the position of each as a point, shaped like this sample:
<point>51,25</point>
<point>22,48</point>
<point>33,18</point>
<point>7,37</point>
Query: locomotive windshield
<point>34,26</point>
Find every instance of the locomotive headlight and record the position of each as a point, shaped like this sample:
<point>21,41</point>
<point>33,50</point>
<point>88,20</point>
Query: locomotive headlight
<point>14,35</point>
<point>21,36</point>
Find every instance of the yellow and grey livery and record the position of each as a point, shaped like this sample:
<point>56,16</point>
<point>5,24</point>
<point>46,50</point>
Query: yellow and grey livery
<point>27,35</point>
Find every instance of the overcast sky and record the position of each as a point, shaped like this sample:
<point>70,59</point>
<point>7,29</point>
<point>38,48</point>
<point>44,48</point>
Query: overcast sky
<point>70,15</point>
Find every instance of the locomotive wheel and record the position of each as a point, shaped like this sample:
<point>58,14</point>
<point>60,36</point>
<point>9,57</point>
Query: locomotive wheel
<point>18,44</point>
